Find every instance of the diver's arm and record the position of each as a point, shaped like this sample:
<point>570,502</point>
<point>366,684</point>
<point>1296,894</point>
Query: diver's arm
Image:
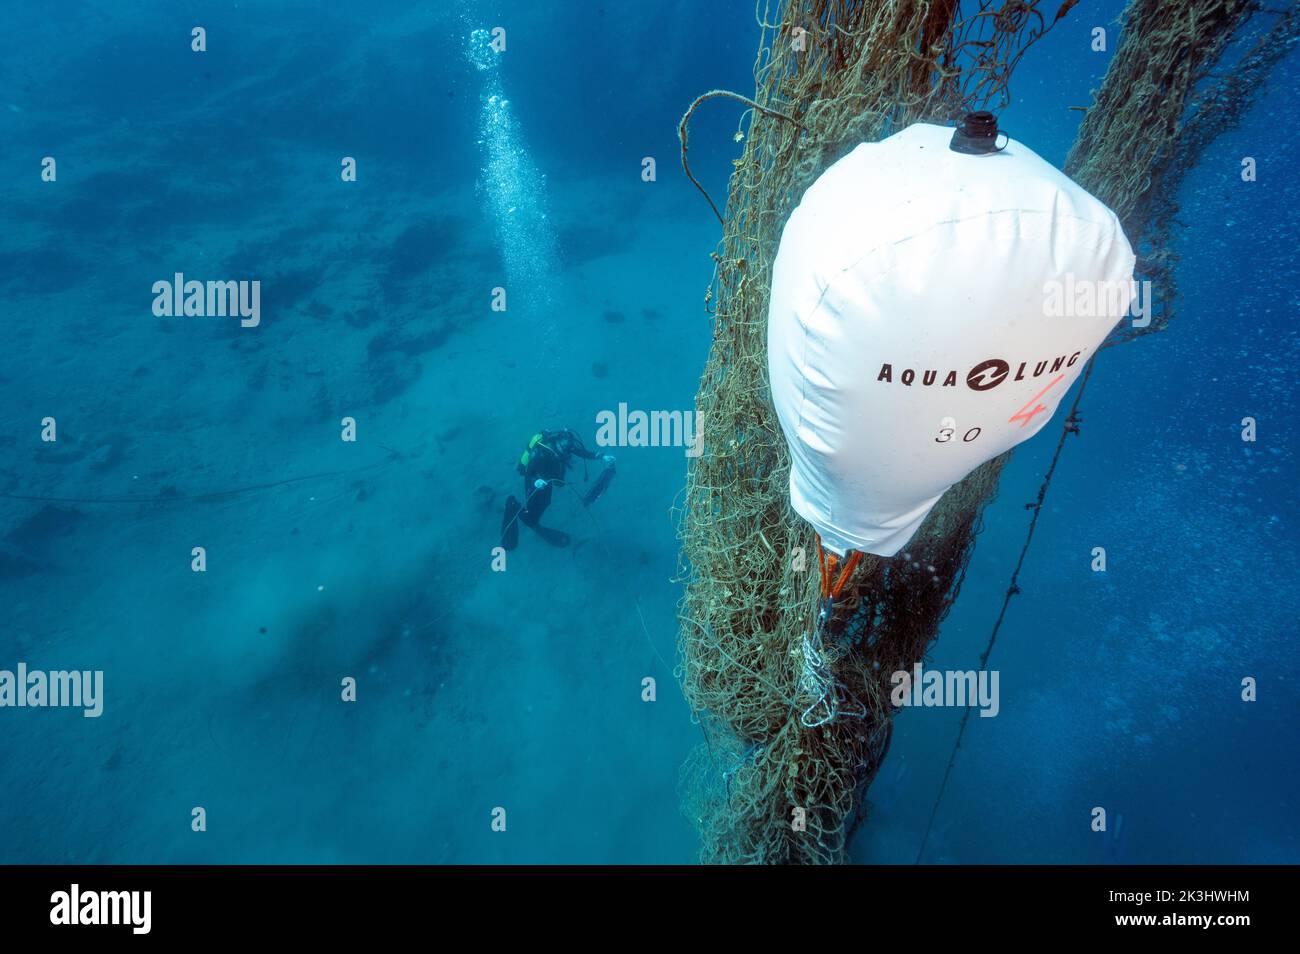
<point>578,449</point>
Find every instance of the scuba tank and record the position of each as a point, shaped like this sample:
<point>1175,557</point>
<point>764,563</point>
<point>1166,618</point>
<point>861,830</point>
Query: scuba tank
<point>526,457</point>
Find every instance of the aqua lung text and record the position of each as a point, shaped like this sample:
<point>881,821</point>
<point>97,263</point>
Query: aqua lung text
<point>984,376</point>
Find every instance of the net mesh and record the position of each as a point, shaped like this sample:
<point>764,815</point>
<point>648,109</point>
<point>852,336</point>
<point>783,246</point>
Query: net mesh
<point>1158,109</point>
<point>796,716</point>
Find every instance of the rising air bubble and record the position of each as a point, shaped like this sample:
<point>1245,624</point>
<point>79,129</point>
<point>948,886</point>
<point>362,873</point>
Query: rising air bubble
<point>513,187</point>
<point>479,50</point>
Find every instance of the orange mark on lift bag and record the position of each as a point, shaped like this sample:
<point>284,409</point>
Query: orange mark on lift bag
<point>1024,415</point>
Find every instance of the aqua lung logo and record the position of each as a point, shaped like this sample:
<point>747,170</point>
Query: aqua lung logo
<point>987,374</point>
<point>983,377</point>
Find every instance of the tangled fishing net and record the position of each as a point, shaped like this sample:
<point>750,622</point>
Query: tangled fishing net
<point>796,716</point>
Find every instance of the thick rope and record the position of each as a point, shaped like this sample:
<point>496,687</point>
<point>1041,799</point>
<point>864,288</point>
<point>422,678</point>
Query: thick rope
<point>683,129</point>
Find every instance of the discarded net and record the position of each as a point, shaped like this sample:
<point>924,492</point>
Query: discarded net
<point>797,718</point>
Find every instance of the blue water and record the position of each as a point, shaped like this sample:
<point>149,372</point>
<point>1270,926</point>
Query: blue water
<point>522,690</point>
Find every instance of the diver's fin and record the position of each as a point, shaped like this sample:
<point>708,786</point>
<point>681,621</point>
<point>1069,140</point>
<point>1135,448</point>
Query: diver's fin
<point>510,524</point>
<point>556,538</point>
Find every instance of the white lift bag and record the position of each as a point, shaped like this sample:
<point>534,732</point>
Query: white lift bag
<point>929,311</point>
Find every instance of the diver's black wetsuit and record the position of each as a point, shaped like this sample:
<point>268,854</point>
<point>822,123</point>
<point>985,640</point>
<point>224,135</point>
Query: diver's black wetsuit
<point>548,459</point>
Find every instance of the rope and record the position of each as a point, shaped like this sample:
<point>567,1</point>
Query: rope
<point>849,567</point>
<point>816,677</point>
<point>194,498</point>
<point>1071,426</point>
<point>529,499</point>
<point>600,535</point>
<point>686,118</point>
<point>826,567</point>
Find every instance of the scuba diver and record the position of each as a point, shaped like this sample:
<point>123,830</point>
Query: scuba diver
<point>544,464</point>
